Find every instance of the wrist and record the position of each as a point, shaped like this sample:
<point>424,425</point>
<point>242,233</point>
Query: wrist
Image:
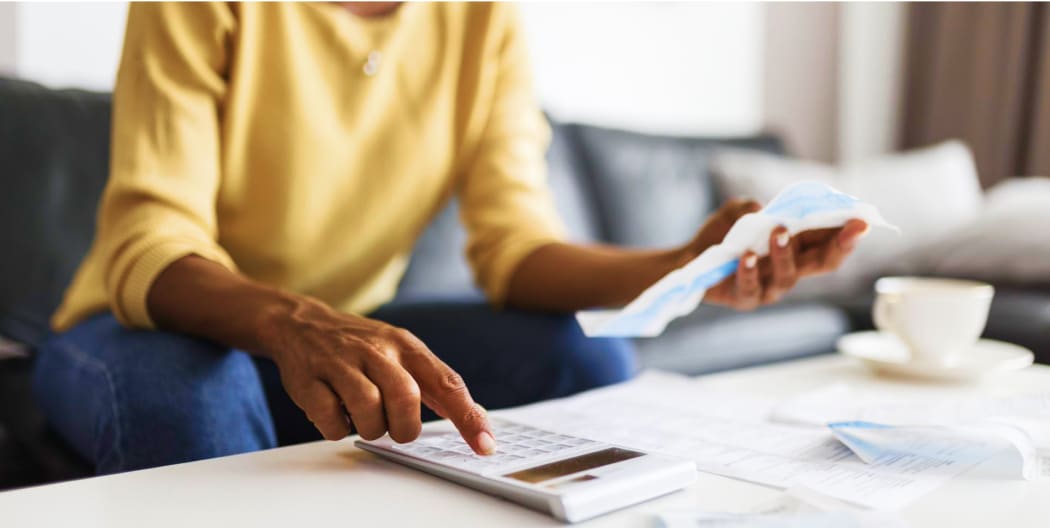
<point>685,254</point>
<point>274,319</point>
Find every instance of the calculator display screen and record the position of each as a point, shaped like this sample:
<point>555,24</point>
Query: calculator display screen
<point>572,465</point>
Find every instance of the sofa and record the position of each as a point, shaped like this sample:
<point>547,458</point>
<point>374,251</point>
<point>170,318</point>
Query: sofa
<point>611,186</point>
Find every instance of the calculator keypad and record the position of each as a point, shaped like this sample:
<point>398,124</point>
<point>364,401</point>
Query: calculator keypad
<point>518,445</point>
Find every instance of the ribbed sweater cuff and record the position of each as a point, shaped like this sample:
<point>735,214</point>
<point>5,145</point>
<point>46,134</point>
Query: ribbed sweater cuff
<point>131,309</point>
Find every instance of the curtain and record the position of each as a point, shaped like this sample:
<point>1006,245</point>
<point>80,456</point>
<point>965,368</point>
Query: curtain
<point>980,72</point>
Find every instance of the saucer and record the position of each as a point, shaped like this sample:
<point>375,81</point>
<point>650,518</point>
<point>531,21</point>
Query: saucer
<point>886,354</point>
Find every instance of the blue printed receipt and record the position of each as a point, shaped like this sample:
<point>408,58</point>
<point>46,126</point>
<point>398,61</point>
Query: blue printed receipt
<point>799,207</point>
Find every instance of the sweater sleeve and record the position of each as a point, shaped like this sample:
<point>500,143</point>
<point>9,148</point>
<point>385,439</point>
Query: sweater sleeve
<point>507,206</point>
<point>160,202</point>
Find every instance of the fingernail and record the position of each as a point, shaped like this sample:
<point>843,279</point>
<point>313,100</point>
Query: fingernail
<point>865,231</point>
<point>487,443</point>
<point>782,239</point>
<point>750,261</point>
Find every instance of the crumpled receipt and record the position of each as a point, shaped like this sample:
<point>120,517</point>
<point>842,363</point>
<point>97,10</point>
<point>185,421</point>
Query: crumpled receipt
<point>1012,431</point>
<point>942,445</point>
<point>799,207</point>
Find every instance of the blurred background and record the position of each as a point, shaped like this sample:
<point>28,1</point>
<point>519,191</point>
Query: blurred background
<point>825,74</point>
<point>832,78</point>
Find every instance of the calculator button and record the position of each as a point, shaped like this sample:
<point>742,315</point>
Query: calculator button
<point>518,444</point>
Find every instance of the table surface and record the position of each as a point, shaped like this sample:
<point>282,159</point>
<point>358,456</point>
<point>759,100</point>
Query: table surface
<point>334,483</point>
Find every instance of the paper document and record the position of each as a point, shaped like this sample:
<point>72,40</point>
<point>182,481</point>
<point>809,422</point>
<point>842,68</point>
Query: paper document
<point>729,435</point>
<point>967,429</point>
<point>938,444</point>
<point>839,403</point>
<point>799,207</point>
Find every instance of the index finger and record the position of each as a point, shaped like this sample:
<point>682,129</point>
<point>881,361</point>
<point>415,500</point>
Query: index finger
<point>830,256</point>
<point>820,237</point>
<point>816,237</point>
<point>444,387</point>
<point>852,232</point>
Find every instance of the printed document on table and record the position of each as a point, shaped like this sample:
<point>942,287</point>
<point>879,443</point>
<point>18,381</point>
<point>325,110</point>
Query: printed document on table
<point>729,435</point>
<point>838,403</point>
<point>971,425</point>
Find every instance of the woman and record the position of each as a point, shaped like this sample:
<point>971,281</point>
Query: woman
<point>272,166</point>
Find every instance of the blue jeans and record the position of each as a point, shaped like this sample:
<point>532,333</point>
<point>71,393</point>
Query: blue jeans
<point>131,399</point>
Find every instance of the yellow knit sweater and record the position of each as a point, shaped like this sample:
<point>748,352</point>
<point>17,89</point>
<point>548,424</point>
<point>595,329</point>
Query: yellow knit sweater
<point>308,148</point>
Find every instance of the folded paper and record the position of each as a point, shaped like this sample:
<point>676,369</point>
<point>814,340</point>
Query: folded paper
<point>800,207</point>
<point>943,445</point>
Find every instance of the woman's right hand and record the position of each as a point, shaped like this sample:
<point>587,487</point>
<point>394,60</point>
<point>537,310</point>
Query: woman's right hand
<point>334,364</point>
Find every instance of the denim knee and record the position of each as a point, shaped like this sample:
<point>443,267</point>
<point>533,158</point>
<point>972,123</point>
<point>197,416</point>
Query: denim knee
<point>130,399</point>
<point>556,359</point>
<point>593,362</point>
<point>513,357</point>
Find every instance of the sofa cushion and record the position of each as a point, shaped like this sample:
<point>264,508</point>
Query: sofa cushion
<point>654,191</point>
<point>54,154</point>
<point>715,338</point>
<point>997,246</point>
<point>439,268</point>
<point>30,452</point>
<point>927,193</point>
<point>609,185</point>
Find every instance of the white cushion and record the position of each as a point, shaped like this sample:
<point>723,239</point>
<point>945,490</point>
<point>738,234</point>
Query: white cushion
<point>926,192</point>
<point>1006,244</point>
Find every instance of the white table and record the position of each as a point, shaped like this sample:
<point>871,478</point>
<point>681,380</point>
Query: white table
<point>335,484</point>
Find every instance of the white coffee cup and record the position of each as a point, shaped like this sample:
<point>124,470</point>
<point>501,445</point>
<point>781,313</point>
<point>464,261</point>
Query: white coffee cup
<point>938,319</point>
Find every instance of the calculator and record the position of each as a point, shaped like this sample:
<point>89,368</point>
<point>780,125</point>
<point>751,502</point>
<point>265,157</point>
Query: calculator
<point>569,477</point>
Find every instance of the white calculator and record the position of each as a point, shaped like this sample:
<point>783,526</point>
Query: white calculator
<point>568,477</point>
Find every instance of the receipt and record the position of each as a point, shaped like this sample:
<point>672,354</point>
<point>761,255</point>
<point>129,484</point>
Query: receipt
<point>879,443</point>
<point>964,431</point>
<point>799,207</point>
<point>937,446</point>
